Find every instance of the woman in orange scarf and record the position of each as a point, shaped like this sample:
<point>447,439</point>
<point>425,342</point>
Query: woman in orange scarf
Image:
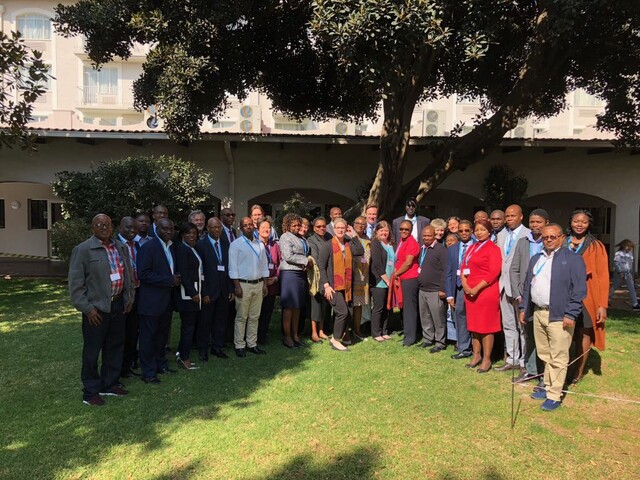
<point>336,264</point>
<point>590,324</point>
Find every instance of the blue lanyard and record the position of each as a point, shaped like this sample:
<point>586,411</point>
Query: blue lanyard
<point>257,254</point>
<point>534,248</point>
<point>510,244</point>
<point>539,269</point>
<point>305,246</point>
<point>577,250</point>
<point>215,250</point>
<point>470,253</point>
<point>267,251</point>
<point>423,254</point>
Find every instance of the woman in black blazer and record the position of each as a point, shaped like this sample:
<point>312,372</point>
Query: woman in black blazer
<point>382,265</point>
<point>338,288</point>
<point>188,300</point>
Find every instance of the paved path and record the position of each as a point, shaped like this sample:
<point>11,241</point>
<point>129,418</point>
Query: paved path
<point>23,267</point>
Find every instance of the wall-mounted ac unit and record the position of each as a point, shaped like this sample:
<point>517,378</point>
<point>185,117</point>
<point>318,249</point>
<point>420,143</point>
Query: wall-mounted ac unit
<point>524,129</point>
<point>249,119</point>
<point>343,128</point>
<point>434,123</point>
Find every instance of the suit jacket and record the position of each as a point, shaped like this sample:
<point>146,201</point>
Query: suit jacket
<point>519,265</point>
<point>325,263</point>
<point>188,266</point>
<point>453,265</point>
<point>156,279</point>
<point>505,282</point>
<point>422,222</point>
<point>216,283</point>
<point>89,276</point>
<point>224,238</point>
<point>330,229</point>
<point>568,286</point>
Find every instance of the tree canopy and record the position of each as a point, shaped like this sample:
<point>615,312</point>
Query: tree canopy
<point>343,58</point>
<point>23,75</point>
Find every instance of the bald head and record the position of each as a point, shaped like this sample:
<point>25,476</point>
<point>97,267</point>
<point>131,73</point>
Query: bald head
<point>428,235</point>
<point>513,216</point>
<point>214,227</point>
<point>479,215</point>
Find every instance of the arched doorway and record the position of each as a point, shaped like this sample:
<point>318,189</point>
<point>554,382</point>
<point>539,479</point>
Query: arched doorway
<point>321,200</point>
<point>559,205</point>
<point>443,203</point>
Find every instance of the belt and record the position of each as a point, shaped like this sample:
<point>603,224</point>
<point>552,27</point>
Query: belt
<point>116,297</point>
<point>546,309</point>
<point>251,281</point>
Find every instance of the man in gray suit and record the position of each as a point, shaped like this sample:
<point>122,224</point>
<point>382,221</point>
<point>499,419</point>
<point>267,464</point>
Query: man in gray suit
<point>513,332</point>
<point>101,287</point>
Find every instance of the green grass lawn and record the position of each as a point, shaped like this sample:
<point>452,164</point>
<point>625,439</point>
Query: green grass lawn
<point>380,411</point>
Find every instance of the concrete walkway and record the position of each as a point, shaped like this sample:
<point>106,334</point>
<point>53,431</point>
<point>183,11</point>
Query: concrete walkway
<point>23,267</point>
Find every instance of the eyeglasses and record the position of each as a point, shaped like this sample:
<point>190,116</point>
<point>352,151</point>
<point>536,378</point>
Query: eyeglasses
<point>405,229</point>
<point>551,237</point>
<point>103,225</point>
<point>464,230</point>
<point>360,223</point>
<point>319,226</point>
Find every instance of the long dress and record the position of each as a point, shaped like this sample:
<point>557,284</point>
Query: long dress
<point>484,262</point>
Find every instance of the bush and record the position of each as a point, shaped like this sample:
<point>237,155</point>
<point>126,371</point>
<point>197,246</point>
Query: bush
<point>66,234</point>
<point>503,187</point>
<point>296,204</point>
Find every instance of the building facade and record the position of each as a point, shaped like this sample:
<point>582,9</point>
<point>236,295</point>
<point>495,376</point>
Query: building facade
<point>259,156</point>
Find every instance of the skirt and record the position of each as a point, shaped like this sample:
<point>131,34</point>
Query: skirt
<point>294,289</point>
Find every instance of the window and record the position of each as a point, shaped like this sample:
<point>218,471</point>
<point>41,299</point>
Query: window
<point>100,86</point>
<point>45,83</point>
<point>2,224</point>
<point>38,215</point>
<point>33,26</point>
<point>56,212</point>
<point>583,99</point>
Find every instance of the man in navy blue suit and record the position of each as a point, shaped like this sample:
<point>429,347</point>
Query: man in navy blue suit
<point>455,294</point>
<point>155,309</point>
<point>216,290</point>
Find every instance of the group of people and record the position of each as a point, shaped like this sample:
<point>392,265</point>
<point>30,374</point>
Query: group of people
<point>538,288</point>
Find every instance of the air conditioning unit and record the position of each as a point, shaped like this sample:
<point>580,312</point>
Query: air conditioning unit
<point>249,119</point>
<point>524,129</point>
<point>151,118</point>
<point>343,128</point>
<point>434,123</point>
<point>541,125</point>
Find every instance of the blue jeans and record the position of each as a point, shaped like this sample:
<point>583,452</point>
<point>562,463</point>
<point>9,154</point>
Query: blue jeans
<point>627,277</point>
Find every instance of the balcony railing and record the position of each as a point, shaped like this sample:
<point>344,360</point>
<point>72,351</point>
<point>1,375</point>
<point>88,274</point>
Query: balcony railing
<point>106,97</point>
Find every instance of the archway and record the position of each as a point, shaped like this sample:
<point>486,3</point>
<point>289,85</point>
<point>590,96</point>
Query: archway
<point>321,200</point>
<point>444,203</point>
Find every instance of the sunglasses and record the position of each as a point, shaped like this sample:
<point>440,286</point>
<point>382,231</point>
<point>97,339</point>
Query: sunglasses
<point>405,229</point>
<point>551,237</point>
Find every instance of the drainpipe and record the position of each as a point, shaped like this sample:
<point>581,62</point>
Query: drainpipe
<point>2,18</point>
<point>228,152</point>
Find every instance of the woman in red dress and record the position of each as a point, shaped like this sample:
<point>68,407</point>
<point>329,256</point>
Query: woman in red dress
<point>480,271</point>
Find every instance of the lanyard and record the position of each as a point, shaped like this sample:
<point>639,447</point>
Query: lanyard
<point>216,250</point>
<point>268,252</point>
<point>470,253</point>
<point>538,269</point>
<point>510,244</point>
<point>577,250</point>
<point>423,254</point>
<point>534,248</point>
<point>257,254</point>
<point>305,246</point>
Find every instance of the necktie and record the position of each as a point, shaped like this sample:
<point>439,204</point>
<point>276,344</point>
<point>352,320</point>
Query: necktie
<point>218,254</point>
<point>132,252</point>
<point>232,235</point>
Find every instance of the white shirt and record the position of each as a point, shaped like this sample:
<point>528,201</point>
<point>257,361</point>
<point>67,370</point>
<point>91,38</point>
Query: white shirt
<point>541,281</point>
<point>414,231</point>
<point>247,259</point>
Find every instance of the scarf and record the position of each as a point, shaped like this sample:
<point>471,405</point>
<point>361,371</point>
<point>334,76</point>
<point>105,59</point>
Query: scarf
<point>342,268</point>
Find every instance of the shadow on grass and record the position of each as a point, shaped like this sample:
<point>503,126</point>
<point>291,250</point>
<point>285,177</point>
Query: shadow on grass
<point>488,474</point>
<point>624,322</point>
<point>45,428</point>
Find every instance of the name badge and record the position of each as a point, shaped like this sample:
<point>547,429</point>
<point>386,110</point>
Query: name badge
<point>466,272</point>
<point>271,266</point>
<point>363,260</point>
<point>419,270</point>
<point>458,272</point>
<point>221,268</point>
<point>390,263</point>
<point>115,277</point>
<point>202,278</point>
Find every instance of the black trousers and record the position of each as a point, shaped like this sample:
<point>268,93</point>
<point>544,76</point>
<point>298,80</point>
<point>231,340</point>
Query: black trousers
<point>212,326</point>
<point>379,312</point>
<point>343,313</point>
<point>410,315</point>
<point>131,337</point>
<point>266,311</point>
<point>108,338</point>
<point>154,333</point>
<point>187,325</point>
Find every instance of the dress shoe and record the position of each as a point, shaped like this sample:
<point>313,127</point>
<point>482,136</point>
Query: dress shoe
<point>461,355</point>
<point>153,380</point>
<point>166,371</point>
<point>524,377</point>
<point>539,394</point>
<point>240,352</point>
<point>256,350</point>
<point>550,405</point>
<point>507,367</point>
<point>437,348</point>
<point>428,344</point>
<point>219,353</point>
<point>484,370</point>
<point>204,358</point>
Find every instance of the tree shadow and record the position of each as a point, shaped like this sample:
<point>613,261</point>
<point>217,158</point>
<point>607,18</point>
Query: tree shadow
<point>488,474</point>
<point>46,429</point>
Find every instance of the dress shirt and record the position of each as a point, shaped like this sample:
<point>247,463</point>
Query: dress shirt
<point>230,235</point>
<point>414,230</point>
<point>166,247</point>
<point>371,228</point>
<point>131,249</point>
<point>512,238</point>
<point>141,240</point>
<point>541,282</point>
<point>247,260</point>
